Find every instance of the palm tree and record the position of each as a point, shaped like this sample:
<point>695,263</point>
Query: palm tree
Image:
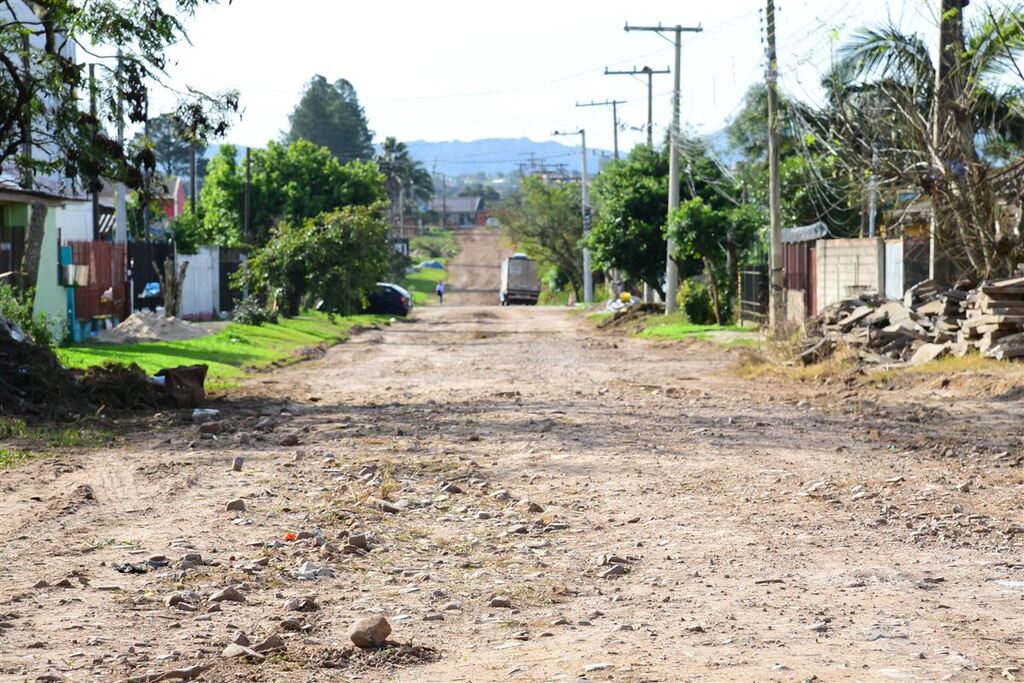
<point>890,115</point>
<point>407,181</point>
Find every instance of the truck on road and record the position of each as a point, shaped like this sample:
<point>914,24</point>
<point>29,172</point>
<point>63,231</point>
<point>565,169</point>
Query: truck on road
<point>520,283</point>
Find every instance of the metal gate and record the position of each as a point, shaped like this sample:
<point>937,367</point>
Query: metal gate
<point>754,294</point>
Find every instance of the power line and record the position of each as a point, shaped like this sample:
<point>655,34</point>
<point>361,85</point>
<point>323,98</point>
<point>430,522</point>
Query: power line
<point>615,118</point>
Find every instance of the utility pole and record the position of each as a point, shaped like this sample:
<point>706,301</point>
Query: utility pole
<point>588,278</point>
<point>444,202</point>
<point>121,201</point>
<point>247,206</point>
<point>947,77</point>
<point>776,300</point>
<point>649,72</point>
<point>873,194</point>
<point>615,117</point>
<point>147,184</point>
<point>95,131</point>
<point>192,166</point>
<point>671,269</point>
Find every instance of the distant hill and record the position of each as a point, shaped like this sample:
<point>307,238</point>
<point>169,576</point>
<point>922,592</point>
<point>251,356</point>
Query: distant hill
<point>499,155</point>
<point>504,155</point>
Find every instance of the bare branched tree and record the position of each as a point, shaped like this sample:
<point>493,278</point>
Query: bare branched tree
<point>892,115</point>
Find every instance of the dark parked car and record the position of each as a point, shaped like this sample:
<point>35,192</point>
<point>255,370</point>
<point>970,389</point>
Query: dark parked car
<point>389,299</point>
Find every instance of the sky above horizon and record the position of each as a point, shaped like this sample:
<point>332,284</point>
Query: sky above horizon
<point>461,70</point>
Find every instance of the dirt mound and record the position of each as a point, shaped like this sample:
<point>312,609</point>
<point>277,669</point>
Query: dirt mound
<point>32,381</point>
<point>142,326</point>
<point>632,315</point>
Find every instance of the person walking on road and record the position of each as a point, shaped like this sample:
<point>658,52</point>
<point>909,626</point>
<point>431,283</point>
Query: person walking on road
<point>440,293</point>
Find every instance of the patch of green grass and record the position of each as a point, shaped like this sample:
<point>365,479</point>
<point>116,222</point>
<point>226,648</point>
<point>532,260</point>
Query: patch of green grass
<point>10,458</point>
<point>678,327</point>
<point>422,283</point>
<point>600,317</point>
<point>229,353</point>
<point>435,243</point>
<point>47,435</point>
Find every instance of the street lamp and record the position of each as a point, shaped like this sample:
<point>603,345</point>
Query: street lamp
<point>588,280</point>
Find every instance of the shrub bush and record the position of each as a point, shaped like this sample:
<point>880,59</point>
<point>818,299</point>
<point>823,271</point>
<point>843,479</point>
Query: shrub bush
<point>695,300</point>
<point>249,311</point>
<point>17,308</point>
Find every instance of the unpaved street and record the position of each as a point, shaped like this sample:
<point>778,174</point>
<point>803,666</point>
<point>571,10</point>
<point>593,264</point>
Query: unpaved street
<point>687,525</point>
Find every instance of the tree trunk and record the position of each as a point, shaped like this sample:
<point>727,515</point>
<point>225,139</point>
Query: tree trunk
<point>33,247</point>
<point>171,285</point>
<point>713,287</point>
<point>733,266</point>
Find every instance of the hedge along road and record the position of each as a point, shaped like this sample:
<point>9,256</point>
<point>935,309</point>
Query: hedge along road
<point>565,504</point>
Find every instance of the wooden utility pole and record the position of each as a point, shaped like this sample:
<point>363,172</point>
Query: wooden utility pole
<point>944,125</point>
<point>649,72</point>
<point>776,291</point>
<point>588,277</point>
<point>615,118</point>
<point>94,115</point>
<point>247,208</point>
<point>671,268</point>
<point>192,166</point>
<point>120,191</point>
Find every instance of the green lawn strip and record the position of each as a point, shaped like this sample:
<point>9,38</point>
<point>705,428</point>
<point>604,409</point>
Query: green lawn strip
<point>677,327</point>
<point>434,244</point>
<point>421,284</point>
<point>229,352</point>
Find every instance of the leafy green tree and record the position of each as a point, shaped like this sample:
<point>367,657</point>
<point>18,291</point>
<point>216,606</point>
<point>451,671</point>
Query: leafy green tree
<point>329,115</point>
<point>78,145</point>
<point>632,202</point>
<point>291,183</point>
<point>699,231</point>
<point>330,262</point>
<point>814,186</point>
<point>171,146</point>
<point>222,199</point>
<point>546,221</point>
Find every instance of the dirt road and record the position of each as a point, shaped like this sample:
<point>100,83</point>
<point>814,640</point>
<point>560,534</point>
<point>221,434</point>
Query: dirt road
<point>685,525</point>
<point>474,275</point>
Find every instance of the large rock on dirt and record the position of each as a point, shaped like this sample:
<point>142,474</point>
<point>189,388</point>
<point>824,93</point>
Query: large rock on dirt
<point>234,650</point>
<point>929,352</point>
<point>236,505</point>
<point>370,631</point>
<point>229,594</point>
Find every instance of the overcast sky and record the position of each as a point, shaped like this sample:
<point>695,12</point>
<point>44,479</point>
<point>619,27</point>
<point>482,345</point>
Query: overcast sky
<point>459,70</point>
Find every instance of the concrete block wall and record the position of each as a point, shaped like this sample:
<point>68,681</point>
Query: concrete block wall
<point>848,267</point>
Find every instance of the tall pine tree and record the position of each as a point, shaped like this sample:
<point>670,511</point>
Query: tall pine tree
<point>329,115</point>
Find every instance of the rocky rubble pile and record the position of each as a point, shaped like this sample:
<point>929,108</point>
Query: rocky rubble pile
<point>928,323</point>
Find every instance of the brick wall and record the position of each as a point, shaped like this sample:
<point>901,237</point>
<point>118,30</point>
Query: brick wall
<point>847,267</point>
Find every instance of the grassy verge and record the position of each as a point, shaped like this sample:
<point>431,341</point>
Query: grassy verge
<point>434,243</point>
<point>229,353</point>
<point>677,327</point>
<point>422,283</point>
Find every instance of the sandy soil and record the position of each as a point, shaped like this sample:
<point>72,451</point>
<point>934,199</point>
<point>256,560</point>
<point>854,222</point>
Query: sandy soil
<point>765,535</point>
<point>647,515</point>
